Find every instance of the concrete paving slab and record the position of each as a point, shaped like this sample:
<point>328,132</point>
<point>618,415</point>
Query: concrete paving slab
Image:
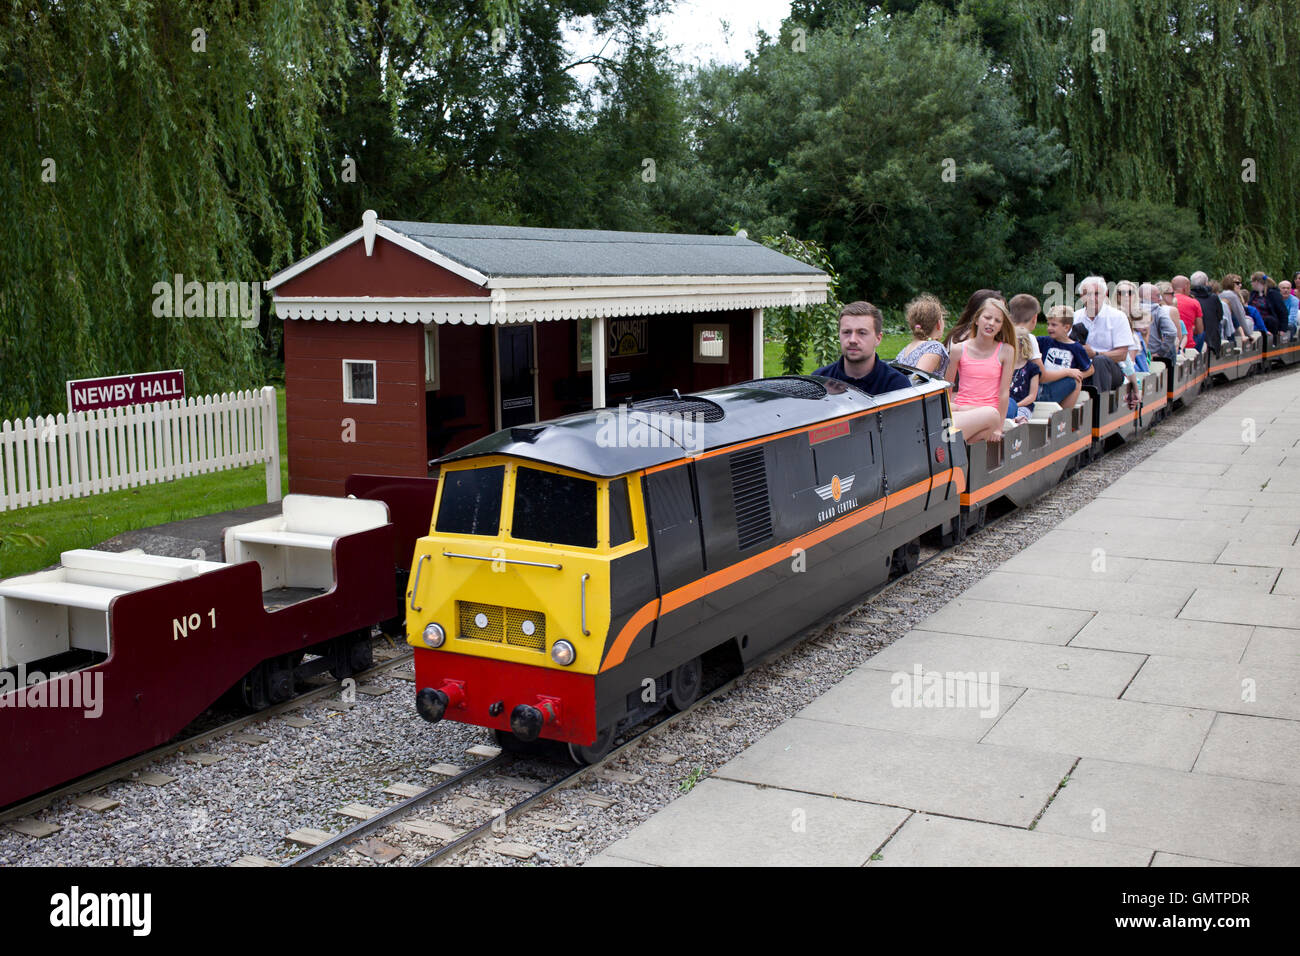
<point>608,859</point>
<point>1144,503</point>
<point>1259,690</point>
<point>1242,553</point>
<point>1179,467</point>
<point>1100,518</point>
<point>1194,814</point>
<point>1182,453</point>
<point>1277,496</point>
<point>1204,548</point>
<point>1154,478</point>
<point>1220,576</point>
<point>1177,859</point>
<point>1077,566</point>
<point>887,700</point>
<point>1258,748</point>
<point>1288,582</point>
<point>725,823</point>
<point>1043,625</point>
<point>926,840</point>
<point>1270,646</point>
<point>1017,663</point>
<point>1119,730</point>
<point>978,781</point>
<point>1148,599</point>
<point>1177,638</point>
<point>1267,610</point>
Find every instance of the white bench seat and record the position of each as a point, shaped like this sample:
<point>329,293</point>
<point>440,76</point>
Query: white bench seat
<point>1043,411</point>
<point>295,548</point>
<point>290,539</point>
<point>61,592</point>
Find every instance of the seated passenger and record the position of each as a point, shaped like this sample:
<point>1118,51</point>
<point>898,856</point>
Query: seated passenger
<point>1025,378</point>
<point>1065,363</point>
<point>982,366</point>
<point>1024,310</point>
<point>861,329</point>
<point>925,319</point>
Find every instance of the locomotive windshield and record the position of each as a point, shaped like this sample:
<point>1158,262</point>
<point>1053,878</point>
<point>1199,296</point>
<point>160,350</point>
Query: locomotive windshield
<point>557,509</point>
<point>471,501</point>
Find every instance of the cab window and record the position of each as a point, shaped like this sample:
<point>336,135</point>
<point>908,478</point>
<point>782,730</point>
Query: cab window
<point>620,513</point>
<point>471,501</point>
<point>557,509</point>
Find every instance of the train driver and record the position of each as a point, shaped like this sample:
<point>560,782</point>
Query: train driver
<point>861,329</point>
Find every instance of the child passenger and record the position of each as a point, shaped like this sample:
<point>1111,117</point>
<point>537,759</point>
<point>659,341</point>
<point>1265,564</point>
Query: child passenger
<point>925,319</point>
<point>981,365</point>
<point>1025,378</point>
<point>1065,363</point>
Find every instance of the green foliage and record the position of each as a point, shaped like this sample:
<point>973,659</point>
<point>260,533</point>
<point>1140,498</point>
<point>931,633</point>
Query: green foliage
<point>846,143</point>
<point>1166,101</point>
<point>1133,239</point>
<point>805,328</point>
<point>138,150</point>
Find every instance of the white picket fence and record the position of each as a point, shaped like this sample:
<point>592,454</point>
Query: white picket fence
<point>53,457</point>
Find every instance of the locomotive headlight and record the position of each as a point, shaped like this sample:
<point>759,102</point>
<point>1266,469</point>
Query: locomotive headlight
<point>562,653</point>
<point>434,635</point>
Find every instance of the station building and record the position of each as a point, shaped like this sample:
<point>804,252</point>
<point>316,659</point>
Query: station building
<point>406,340</point>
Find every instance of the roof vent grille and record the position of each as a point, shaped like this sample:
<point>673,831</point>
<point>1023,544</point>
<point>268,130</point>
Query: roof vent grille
<point>791,385</point>
<point>690,407</point>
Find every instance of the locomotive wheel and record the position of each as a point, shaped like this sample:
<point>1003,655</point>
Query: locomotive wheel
<point>906,557</point>
<point>684,685</point>
<point>592,754</point>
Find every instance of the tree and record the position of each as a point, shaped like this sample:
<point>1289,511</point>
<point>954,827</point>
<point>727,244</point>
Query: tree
<point>1178,102</point>
<point>892,144</point>
<point>145,141</point>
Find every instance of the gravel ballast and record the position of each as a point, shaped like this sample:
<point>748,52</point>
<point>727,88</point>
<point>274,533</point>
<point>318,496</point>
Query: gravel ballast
<point>353,749</point>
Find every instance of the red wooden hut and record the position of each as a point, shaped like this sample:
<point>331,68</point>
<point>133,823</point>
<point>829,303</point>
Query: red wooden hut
<point>406,340</point>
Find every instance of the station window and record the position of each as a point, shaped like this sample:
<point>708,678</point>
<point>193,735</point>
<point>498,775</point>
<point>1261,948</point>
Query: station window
<point>431,358</point>
<point>557,509</point>
<point>584,344</point>
<point>712,343</point>
<point>359,381</point>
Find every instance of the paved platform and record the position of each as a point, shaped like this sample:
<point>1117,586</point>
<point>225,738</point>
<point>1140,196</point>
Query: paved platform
<point>191,536</point>
<point>1147,714</point>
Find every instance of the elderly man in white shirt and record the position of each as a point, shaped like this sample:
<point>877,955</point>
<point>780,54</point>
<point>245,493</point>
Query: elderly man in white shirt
<point>1109,333</point>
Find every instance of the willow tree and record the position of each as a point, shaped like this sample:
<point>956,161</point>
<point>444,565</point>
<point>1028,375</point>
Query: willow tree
<point>162,138</point>
<point>1190,102</point>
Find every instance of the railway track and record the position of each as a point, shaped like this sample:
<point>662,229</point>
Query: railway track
<point>131,764</point>
<point>388,820</point>
<point>753,700</point>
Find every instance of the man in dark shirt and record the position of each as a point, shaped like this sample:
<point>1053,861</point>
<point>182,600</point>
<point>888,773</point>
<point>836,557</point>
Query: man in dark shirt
<point>861,329</point>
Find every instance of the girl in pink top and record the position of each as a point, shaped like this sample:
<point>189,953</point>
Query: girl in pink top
<point>982,367</point>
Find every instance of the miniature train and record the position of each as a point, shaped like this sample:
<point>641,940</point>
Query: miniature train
<point>566,586</point>
<point>571,585</point>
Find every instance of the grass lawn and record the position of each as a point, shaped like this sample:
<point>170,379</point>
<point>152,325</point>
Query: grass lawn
<point>85,522</point>
<point>890,346</point>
